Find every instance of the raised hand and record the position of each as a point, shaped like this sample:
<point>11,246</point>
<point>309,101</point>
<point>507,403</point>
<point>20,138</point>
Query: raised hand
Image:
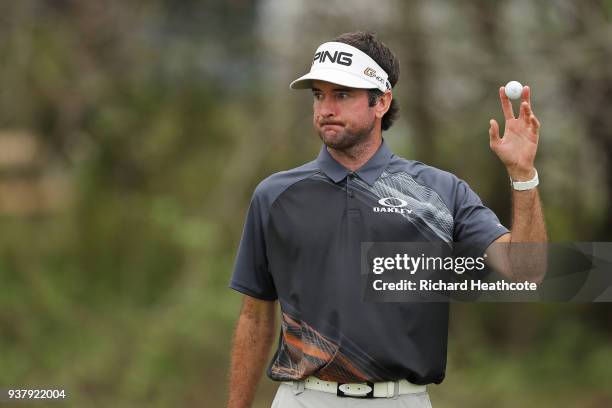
<point>517,148</point>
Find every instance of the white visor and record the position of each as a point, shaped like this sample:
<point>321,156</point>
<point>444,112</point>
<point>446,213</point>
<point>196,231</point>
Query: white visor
<point>344,65</point>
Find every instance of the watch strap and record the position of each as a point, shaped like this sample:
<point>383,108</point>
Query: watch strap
<point>525,185</point>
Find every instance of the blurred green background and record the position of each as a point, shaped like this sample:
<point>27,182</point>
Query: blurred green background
<point>133,133</point>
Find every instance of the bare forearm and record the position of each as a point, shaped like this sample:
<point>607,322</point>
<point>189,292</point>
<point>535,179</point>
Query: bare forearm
<point>527,249</point>
<point>252,340</point>
<point>527,217</point>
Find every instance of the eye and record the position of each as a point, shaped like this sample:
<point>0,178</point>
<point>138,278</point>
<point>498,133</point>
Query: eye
<point>316,95</point>
<point>342,95</point>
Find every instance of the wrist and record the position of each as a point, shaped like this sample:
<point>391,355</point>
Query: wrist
<point>521,174</point>
<point>525,184</point>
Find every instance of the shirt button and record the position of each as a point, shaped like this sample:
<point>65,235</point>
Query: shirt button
<point>351,194</point>
<point>352,176</point>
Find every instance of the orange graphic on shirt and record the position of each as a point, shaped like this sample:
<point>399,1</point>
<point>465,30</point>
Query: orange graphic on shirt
<point>304,351</point>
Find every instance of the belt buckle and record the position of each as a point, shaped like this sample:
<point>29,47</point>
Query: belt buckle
<point>353,390</point>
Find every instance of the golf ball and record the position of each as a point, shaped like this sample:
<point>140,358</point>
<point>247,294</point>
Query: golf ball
<point>514,89</point>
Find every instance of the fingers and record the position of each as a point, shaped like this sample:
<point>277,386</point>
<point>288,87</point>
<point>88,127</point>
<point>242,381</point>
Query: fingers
<point>535,125</point>
<point>525,98</point>
<point>505,104</point>
<point>493,133</point>
<point>528,116</point>
<point>526,95</point>
<point>525,112</point>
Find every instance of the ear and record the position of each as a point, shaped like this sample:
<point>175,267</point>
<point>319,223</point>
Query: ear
<point>383,104</point>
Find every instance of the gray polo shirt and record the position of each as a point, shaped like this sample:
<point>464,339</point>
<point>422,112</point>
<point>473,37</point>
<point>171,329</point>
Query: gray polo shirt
<point>301,245</point>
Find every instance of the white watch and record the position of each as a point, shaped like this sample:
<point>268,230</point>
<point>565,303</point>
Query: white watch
<point>525,185</point>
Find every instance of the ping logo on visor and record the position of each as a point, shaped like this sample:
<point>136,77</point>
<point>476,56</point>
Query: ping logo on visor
<point>342,58</point>
<point>344,65</point>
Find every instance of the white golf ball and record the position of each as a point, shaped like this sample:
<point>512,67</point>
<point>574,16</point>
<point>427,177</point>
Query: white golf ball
<point>513,89</point>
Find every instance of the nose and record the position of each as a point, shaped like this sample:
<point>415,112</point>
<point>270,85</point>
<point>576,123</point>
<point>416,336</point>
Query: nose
<point>326,108</point>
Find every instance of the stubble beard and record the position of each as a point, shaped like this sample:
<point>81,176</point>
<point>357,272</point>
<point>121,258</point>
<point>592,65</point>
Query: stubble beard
<point>348,140</point>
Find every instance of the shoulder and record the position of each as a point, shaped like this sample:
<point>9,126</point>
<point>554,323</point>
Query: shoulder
<point>269,189</point>
<point>432,177</point>
<point>432,181</point>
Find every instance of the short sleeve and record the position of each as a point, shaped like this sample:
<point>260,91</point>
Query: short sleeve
<point>474,223</point>
<point>251,274</point>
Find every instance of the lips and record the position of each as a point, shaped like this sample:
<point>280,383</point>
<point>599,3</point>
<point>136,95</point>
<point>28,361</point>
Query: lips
<point>330,124</point>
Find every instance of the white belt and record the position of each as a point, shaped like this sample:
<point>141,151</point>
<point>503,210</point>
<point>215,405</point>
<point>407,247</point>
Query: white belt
<point>385,389</point>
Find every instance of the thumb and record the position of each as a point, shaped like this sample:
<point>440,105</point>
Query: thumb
<point>494,138</point>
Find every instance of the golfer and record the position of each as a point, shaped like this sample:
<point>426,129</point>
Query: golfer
<point>303,232</point>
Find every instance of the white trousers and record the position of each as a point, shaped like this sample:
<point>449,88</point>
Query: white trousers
<point>286,397</point>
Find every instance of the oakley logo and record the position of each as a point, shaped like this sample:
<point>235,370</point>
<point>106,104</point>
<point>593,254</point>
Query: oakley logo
<point>392,202</point>
<point>370,72</point>
<point>392,205</point>
<point>338,57</point>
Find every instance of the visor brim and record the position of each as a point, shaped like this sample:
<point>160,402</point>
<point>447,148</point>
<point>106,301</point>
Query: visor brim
<point>333,76</point>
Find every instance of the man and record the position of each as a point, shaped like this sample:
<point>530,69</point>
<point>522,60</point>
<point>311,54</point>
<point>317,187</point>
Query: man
<point>301,244</point>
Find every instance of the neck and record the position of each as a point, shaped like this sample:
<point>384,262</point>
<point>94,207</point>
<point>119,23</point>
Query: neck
<point>356,156</point>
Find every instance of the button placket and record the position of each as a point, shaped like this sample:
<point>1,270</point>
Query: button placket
<point>352,203</point>
<point>349,190</point>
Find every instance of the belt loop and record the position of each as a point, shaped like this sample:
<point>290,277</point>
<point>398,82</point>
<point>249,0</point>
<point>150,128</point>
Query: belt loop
<point>395,389</point>
<point>298,387</point>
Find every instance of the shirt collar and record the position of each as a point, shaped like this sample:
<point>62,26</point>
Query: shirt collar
<point>369,172</point>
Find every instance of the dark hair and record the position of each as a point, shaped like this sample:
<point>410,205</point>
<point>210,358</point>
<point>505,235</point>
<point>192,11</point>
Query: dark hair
<point>379,52</point>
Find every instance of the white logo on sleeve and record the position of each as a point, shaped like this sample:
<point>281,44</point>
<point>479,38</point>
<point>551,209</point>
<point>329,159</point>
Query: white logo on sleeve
<point>392,204</point>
